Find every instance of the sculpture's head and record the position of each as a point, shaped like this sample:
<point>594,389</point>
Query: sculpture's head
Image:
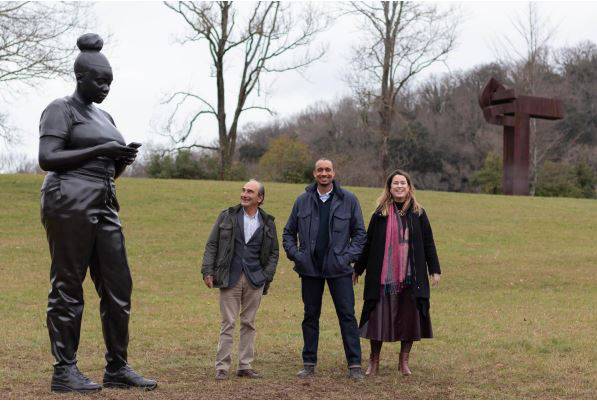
<point>92,69</point>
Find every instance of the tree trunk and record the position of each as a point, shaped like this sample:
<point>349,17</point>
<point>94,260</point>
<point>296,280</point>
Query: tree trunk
<point>223,159</point>
<point>386,105</point>
<point>219,63</point>
<point>385,127</point>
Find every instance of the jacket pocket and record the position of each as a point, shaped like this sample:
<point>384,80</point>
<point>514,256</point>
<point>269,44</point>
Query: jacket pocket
<point>225,226</point>
<point>225,233</point>
<point>298,256</point>
<point>269,236</point>
<point>224,242</point>
<point>340,222</point>
<point>340,233</point>
<point>266,247</point>
<point>304,225</point>
<point>220,260</point>
<point>342,259</point>
<point>304,217</point>
<point>299,260</point>
<point>256,275</point>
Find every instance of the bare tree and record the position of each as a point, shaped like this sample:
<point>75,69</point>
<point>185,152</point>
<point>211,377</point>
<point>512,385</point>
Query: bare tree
<point>18,162</point>
<point>527,51</point>
<point>401,40</point>
<point>33,45</point>
<point>8,134</point>
<point>259,42</point>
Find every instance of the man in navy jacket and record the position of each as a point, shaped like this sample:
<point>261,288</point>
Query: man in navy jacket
<point>331,235</point>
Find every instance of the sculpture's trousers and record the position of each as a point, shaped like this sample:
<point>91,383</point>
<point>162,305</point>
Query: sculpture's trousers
<point>80,215</point>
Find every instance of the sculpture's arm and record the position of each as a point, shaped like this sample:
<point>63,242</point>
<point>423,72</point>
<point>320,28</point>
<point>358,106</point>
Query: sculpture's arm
<point>54,157</point>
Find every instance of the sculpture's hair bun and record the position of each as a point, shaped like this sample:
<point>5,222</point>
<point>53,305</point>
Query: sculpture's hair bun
<point>90,42</point>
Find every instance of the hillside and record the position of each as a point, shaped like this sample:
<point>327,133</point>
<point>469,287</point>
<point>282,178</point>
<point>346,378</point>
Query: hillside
<point>514,316</point>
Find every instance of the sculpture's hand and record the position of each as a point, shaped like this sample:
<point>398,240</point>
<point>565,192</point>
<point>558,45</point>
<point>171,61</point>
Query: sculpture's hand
<point>209,281</point>
<point>435,280</point>
<point>127,161</point>
<point>114,150</point>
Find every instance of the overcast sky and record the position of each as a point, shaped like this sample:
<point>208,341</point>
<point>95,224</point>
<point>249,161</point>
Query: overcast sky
<point>148,64</point>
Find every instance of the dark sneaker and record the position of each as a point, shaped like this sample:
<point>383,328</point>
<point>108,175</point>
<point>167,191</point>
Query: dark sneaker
<point>249,373</point>
<point>70,379</point>
<point>126,377</point>
<point>307,371</point>
<point>355,373</point>
<point>221,375</point>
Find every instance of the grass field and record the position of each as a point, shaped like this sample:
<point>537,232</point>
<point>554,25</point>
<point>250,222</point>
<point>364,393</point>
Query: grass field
<point>514,316</point>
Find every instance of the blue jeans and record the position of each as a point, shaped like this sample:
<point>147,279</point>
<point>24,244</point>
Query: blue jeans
<point>342,294</point>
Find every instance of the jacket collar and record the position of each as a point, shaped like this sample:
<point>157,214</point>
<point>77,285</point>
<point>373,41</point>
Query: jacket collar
<point>312,188</point>
<point>265,217</point>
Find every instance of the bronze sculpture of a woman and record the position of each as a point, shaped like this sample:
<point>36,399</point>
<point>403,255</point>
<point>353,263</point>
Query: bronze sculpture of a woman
<point>84,152</point>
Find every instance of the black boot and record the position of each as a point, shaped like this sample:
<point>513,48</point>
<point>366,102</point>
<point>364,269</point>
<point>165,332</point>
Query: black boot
<point>355,373</point>
<point>307,371</point>
<point>126,377</point>
<point>70,379</point>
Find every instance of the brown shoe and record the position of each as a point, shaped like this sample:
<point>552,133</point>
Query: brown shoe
<point>249,373</point>
<point>403,364</point>
<point>221,375</point>
<point>373,365</point>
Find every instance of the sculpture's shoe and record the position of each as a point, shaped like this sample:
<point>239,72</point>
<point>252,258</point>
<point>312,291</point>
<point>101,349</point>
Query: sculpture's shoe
<point>70,379</point>
<point>126,377</point>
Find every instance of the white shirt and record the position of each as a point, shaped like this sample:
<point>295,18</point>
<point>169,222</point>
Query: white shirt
<point>326,196</point>
<point>251,224</point>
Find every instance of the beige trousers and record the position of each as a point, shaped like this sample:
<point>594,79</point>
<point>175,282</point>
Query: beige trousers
<point>243,298</point>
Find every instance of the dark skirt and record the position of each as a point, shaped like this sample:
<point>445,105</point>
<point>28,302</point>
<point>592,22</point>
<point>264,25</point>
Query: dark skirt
<point>396,318</point>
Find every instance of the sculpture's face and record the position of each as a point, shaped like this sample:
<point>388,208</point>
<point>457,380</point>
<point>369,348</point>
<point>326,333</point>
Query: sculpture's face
<point>324,172</point>
<point>94,85</point>
<point>249,197</point>
<point>399,188</point>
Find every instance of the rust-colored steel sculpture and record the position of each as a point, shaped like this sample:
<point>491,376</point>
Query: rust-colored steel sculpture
<point>503,107</point>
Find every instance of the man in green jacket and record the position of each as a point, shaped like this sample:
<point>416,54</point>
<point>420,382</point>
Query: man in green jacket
<point>240,259</point>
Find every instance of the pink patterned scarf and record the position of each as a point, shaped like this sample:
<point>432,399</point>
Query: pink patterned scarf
<point>395,260</point>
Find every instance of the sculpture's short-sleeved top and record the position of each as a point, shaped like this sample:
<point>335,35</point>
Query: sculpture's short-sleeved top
<point>81,126</point>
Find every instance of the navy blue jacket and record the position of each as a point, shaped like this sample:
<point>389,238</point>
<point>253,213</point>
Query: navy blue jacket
<point>347,236</point>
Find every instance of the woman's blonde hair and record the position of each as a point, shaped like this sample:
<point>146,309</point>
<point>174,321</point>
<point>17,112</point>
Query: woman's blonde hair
<point>385,200</point>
